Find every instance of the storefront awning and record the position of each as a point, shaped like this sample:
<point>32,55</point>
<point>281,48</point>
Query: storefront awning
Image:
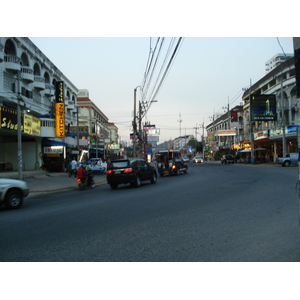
<point>53,143</point>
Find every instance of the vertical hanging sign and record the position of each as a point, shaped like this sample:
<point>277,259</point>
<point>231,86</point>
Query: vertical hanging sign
<point>60,110</point>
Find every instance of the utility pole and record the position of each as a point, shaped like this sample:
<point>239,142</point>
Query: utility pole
<point>251,127</point>
<point>140,130</point>
<point>196,138</point>
<point>296,42</point>
<point>134,123</point>
<point>180,120</point>
<point>283,115</point>
<point>19,121</point>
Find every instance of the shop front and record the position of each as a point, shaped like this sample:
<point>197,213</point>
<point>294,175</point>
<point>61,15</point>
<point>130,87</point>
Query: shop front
<point>54,155</point>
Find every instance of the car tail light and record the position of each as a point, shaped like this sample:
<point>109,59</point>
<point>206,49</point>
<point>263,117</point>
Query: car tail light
<point>108,171</point>
<point>128,170</point>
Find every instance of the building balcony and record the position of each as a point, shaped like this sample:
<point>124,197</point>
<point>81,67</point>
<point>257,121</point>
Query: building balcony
<point>70,104</point>
<point>49,89</point>
<point>27,74</point>
<point>1,53</point>
<point>39,83</point>
<point>12,62</point>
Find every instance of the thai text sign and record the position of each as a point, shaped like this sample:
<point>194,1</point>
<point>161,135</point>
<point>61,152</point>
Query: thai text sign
<point>60,110</point>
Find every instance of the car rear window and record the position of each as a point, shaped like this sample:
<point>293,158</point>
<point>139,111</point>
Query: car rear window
<point>119,164</point>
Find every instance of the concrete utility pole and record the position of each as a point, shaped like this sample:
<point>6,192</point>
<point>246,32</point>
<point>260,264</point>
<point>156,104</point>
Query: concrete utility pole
<point>251,127</point>
<point>283,115</point>
<point>134,123</point>
<point>180,120</point>
<point>19,121</point>
<point>296,42</point>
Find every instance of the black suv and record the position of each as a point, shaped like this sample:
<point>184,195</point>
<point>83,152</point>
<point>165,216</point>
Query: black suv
<point>227,159</point>
<point>129,171</point>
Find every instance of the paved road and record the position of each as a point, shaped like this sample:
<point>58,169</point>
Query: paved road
<point>214,213</point>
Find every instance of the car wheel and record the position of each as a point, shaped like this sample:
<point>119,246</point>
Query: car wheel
<point>114,186</point>
<point>14,199</point>
<point>137,181</point>
<point>286,164</point>
<point>154,178</point>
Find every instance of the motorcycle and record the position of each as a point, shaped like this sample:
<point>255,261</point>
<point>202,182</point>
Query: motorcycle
<point>82,183</point>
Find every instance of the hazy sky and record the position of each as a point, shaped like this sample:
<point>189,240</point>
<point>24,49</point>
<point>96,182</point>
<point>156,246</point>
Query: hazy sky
<point>206,74</point>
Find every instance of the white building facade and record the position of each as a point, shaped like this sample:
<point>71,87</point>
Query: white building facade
<point>28,82</point>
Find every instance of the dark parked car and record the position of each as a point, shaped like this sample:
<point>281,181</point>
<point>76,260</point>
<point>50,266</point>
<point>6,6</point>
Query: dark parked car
<point>227,159</point>
<point>123,171</point>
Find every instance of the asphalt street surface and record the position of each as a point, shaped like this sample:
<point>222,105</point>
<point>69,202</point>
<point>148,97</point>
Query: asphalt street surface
<point>215,213</point>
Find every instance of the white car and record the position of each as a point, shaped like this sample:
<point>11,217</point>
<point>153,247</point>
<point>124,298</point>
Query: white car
<point>185,159</point>
<point>198,159</point>
<point>12,192</point>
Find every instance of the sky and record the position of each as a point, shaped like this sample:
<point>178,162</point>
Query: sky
<point>207,74</point>
<point>104,48</point>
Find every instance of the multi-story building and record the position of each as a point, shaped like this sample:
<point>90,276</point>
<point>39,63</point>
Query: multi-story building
<point>226,131</point>
<point>28,82</point>
<point>42,123</point>
<point>276,60</point>
<point>96,121</point>
<point>275,135</point>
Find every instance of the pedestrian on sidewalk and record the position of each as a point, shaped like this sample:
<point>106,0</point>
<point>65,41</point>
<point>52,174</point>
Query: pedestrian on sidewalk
<point>73,170</point>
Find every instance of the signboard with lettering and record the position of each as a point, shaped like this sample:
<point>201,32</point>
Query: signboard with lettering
<point>59,110</point>
<point>154,132</point>
<point>226,132</point>
<point>80,130</point>
<point>9,119</point>
<point>263,107</point>
<point>32,125</point>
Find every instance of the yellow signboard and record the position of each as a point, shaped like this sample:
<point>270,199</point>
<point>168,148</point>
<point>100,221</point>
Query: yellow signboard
<point>32,125</point>
<point>60,119</point>
<point>60,110</point>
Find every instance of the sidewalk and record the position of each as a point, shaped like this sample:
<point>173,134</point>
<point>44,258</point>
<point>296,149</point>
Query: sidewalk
<point>41,182</point>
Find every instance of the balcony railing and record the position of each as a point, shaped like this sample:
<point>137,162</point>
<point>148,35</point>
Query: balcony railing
<point>12,62</point>
<point>39,82</point>
<point>27,74</point>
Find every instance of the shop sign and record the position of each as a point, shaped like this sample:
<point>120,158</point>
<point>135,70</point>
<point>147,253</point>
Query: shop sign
<point>9,119</point>
<point>78,130</point>
<point>263,107</point>
<point>60,110</point>
<point>154,132</point>
<point>53,149</point>
<point>261,135</point>
<point>32,125</point>
<point>226,132</point>
<point>148,127</point>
